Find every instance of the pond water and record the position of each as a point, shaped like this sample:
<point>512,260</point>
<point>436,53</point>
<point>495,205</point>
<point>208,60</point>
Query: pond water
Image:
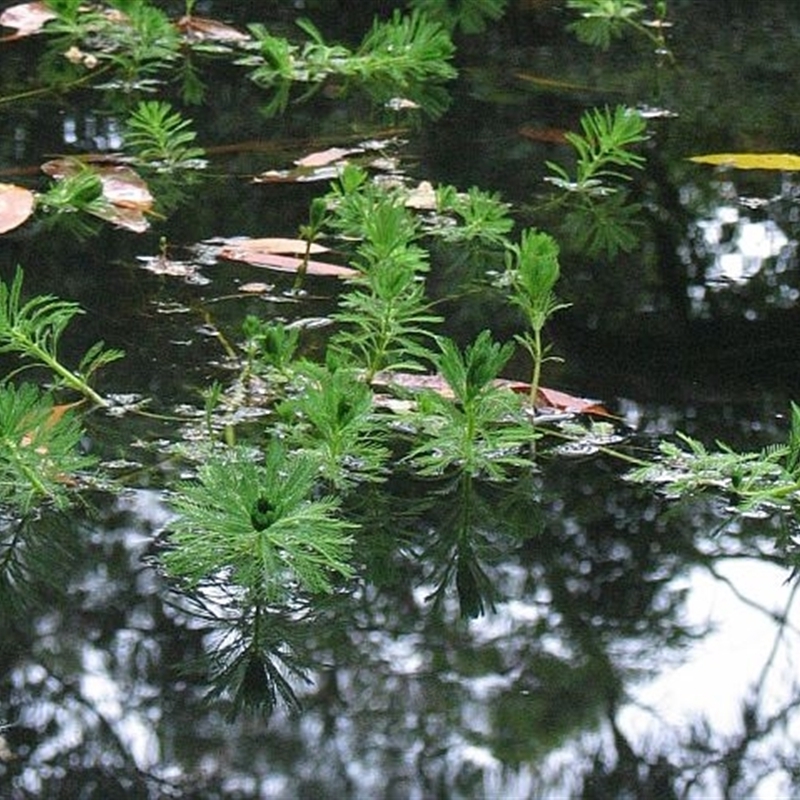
<point>613,642</point>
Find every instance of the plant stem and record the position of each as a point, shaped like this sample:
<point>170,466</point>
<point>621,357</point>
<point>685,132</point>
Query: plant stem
<point>70,378</point>
<point>536,352</point>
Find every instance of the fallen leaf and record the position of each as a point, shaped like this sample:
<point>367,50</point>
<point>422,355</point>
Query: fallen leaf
<point>276,244</point>
<point>287,263</point>
<point>546,398</point>
<point>16,205</point>
<point>256,287</point>
<point>785,162</point>
<point>561,401</point>
<point>325,157</point>
<point>300,175</point>
<point>127,193</point>
<point>546,135</point>
<point>552,83</point>
<point>53,418</point>
<point>26,18</point>
<point>200,28</point>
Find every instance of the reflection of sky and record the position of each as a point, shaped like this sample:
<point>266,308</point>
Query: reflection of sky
<point>729,666</point>
<point>738,243</point>
<point>740,246</point>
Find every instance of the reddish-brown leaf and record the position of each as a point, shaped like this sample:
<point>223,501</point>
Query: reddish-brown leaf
<point>546,398</point>
<point>561,401</point>
<point>286,263</point>
<point>325,157</point>
<point>272,244</point>
<point>200,28</point>
<point>127,193</point>
<point>546,135</point>
<point>16,205</point>
<point>26,18</point>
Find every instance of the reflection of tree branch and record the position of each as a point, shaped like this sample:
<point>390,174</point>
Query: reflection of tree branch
<point>782,619</point>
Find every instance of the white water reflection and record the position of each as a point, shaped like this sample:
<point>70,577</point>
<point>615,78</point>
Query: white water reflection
<point>750,658</point>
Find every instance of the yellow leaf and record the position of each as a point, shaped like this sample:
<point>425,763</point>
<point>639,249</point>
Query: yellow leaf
<point>786,162</point>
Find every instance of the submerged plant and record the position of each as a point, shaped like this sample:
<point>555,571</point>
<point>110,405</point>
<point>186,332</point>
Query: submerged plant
<point>268,346</point>
<point>258,526</point>
<point>33,331</point>
<point>39,448</point>
<point>159,136</point>
<point>386,318</point>
<point>604,20</point>
<point>532,272</point>
<point>483,217</point>
<point>470,16</point>
<point>602,151</point>
<point>405,56</point>
<point>769,477</point>
<point>333,418</point>
<point>480,430</point>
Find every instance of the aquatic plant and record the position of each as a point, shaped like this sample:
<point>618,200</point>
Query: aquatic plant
<point>332,417</point>
<point>158,136</point>
<point>757,480</point>
<point>532,271</point>
<point>468,16</point>
<point>604,20</point>
<point>406,56</point>
<point>602,151</point>
<point>385,317</point>
<point>258,525</point>
<point>268,346</point>
<point>32,330</point>
<point>480,430</point>
<point>40,454</point>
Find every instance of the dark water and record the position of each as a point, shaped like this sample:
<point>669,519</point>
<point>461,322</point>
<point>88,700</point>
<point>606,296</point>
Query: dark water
<point>630,646</point>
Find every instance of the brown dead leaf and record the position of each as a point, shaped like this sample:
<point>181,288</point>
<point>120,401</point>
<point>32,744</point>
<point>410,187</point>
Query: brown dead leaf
<point>16,205</point>
<point>546,398</point>
<point>287,263</point>
<point>545,135</point>
<point>203,29</point>
<point>275,244</point>
<point>325,157</point>
<point>53,418</point>
<point>561,401</point>
<point>26,18</point>
<point>127,193</point>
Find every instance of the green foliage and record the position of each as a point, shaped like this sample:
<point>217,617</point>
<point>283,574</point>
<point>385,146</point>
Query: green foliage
<point>269,346</point>
<point>770,477</point>
<point>332,416</point>
<point>39,449</point>
<point>158,136</point>
<point>602,151</point>
<point>470,16</point>
<point>480,430</point>
<point>257,526</point>
<point>33,330</point>
<point>406,56</point>
<point>605,20</point>
<point>81,192</point>
<point>484,216</point>
<point>138,41</point>
<point>602,225</point>
<point>532,271</point>
<point>385,316</point>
